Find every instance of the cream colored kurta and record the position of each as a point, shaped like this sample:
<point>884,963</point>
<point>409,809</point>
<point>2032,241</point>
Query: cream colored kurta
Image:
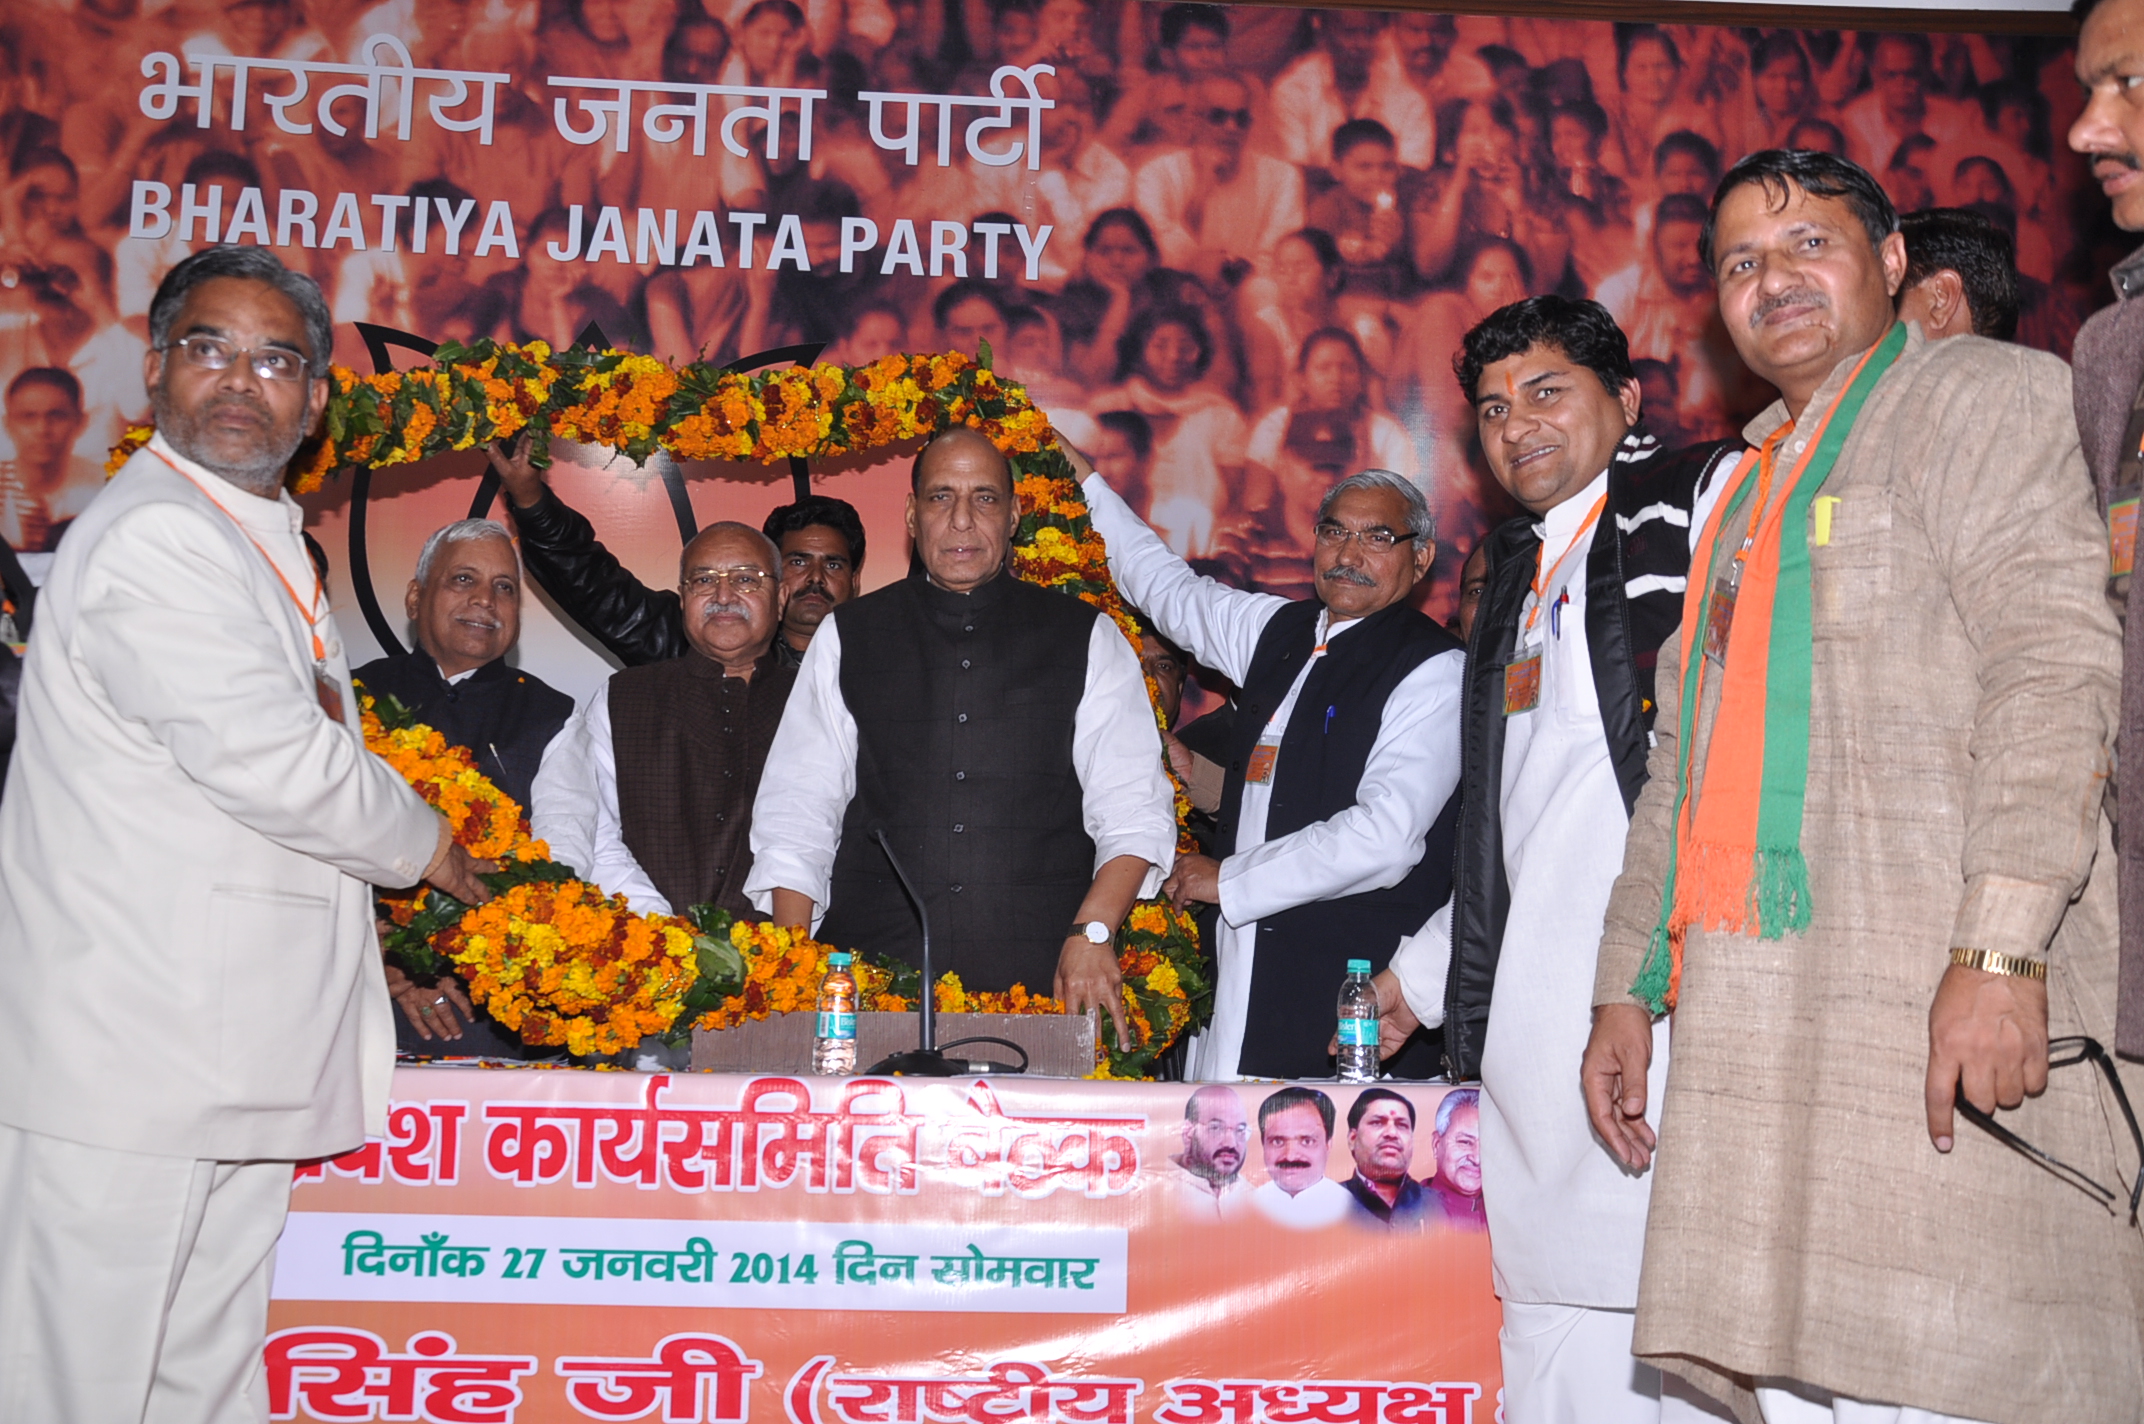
<point>1964,694</point>
<point>186,932</point>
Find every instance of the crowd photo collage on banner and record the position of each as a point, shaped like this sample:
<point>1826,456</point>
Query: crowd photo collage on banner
<point>1230,250</point>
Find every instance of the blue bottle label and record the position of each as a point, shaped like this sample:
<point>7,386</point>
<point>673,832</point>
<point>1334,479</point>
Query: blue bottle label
<point>1358,1033</point>
<point>836,1025</point>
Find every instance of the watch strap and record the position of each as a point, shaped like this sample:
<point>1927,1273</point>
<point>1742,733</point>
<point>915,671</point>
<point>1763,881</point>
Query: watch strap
<point>1994,961</point>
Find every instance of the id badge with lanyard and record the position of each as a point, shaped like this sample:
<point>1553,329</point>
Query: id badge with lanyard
<point>1266,755</point>
<point>1720,607</point>
<point>1522,675</point>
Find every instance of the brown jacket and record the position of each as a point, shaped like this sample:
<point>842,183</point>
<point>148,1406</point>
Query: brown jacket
<point>1963,693</point>
<point>2110,367</point>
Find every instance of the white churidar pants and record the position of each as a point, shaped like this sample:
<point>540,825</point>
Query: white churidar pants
<point>133,1288</point>
<point>1571,1364</point>
<point>1783,1402</point>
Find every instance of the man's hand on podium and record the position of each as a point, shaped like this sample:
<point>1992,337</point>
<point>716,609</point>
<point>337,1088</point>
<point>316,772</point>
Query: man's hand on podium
<point>1088,978</point>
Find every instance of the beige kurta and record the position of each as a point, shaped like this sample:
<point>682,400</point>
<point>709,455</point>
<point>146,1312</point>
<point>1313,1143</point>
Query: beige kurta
<point>1964,695</point>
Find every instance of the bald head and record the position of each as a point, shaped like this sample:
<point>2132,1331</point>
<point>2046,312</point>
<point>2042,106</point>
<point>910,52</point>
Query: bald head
<point>728,536</point>
<point>961,510</point>
<point>729,582</point>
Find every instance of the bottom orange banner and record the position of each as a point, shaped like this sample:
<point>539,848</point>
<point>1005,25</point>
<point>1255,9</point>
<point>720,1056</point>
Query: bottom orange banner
<point>529,1246</point>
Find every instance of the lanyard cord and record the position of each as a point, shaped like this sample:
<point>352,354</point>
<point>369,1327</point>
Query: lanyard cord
<point>1767,464</point>
<point>312,622</point>
<point>1541,580</point>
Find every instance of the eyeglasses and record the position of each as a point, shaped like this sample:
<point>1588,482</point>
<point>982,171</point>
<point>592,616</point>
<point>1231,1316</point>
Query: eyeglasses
<point>1377,541</point>
<point>739,580</point>
<point>1222,118</point>
<point>2067,1053</point>
<point>213,353</point>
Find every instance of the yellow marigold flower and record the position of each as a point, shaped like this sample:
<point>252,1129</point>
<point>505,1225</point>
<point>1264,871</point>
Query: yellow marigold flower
<point>135,437</point>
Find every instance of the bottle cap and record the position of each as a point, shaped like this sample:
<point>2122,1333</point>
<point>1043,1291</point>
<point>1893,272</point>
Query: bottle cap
<point>1358,966</point>
<point>841,959</point>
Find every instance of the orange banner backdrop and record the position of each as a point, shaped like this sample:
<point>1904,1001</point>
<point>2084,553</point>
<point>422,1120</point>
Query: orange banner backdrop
<point>530,1247</point>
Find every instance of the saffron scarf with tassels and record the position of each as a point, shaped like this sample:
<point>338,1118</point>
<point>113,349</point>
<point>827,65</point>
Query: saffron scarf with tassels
<point>1737,861</point>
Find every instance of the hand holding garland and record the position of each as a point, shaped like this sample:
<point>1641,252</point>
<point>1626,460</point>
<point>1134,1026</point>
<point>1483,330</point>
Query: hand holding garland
<point>455,872</point>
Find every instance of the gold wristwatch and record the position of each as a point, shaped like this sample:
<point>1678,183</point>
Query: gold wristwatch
<point>1994,961</point>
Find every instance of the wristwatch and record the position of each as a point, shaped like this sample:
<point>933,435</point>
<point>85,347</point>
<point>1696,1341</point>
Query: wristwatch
<point>1094,932</point>
<point>1994,961</point>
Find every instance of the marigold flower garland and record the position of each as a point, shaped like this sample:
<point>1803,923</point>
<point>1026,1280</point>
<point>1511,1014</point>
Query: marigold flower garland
<point>550,956</point>
<point>611,980</point>
<point>1165,982</point>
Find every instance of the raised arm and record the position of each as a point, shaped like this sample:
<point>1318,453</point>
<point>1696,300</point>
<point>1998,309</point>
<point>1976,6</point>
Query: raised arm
<point>1214,623</point>
<point>636,623</point>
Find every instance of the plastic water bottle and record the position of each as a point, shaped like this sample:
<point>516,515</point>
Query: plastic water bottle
<point>833,1051</point>
<point>1357,1060</point>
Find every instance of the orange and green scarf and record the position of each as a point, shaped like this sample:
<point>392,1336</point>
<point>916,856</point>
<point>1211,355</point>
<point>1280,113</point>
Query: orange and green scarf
<point>1737,863</point>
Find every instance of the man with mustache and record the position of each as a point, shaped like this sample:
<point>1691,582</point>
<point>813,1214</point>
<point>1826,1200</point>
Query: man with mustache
<point>1867,871</point>
<point>1215,1133</point>
<point>996,734</point>
<point>190,826</point>
<point>464,608</point>
<point>2110,406</point>
<point>820,540</point>
<point>649,790</point>
<point>1295,1135</point>
<point>1580,592</point>
<point>1338,805</point>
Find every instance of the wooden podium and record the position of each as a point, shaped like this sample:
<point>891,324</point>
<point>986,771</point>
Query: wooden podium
<point>1058,1045</point>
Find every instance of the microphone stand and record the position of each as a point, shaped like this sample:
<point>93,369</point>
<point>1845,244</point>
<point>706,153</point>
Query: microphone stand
<point>927,1060</point>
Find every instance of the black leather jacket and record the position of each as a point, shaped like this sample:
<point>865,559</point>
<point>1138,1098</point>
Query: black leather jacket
<point>1634,580</point>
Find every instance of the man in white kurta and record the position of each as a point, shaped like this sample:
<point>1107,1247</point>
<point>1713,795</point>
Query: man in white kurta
<point>1295,1137</point>
<point>1412,768</point>
<point>1554,397</point>
<point>195,997</point>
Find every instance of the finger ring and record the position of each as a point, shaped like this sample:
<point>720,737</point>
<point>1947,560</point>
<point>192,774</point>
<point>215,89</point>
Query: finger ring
<point>440,1000</point>
<point>425,1010</point>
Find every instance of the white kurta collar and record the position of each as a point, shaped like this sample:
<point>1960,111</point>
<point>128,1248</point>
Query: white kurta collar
<point>1559,526</point>
<point>279,515</point>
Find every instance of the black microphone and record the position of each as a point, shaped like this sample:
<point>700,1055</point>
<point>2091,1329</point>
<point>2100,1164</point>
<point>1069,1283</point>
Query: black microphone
<point>926,1060</point>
